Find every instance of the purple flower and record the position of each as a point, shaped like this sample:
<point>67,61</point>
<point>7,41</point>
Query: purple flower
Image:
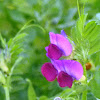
<point>60,46</point>
<point>64,70</point>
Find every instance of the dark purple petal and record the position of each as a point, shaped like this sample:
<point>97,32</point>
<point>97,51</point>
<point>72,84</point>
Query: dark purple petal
<point>49,72</point>
<point>63,33</point>
<point>54,52</point>
<point>61,42</point>
<point>64,79</point>
<point>73,68</point>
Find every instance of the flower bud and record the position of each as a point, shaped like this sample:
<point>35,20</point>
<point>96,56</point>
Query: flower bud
<point>82,78</point>
<point>57,98</point>
<point>88,66</point>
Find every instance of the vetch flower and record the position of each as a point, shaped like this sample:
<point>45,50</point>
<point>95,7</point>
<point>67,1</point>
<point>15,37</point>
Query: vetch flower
<point>64,70</point>
<point>60,46</point>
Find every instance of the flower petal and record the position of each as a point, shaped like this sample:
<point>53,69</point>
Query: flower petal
<point>53,39</point>
<point>73,68</point>
<point>46,48</point>
<point>62,42</point>
<point>63,33</point>
<point>54,52</point>
<point>49,72</point>
<point>58,64</point>
<point>64,79</point>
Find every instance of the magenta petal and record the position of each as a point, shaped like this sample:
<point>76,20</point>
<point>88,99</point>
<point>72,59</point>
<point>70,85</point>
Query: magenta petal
<point>54,52</point>
<point>49,72</point>
<point>58,64</point>
<point>46,48</point>
<point>73,68</point>
<point>53,38</point>
<point>64,79</point>
<point>62,42</point>
<point>63,33</point>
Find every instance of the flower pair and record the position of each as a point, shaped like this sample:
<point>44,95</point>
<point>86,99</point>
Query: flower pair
<point>64,70</point>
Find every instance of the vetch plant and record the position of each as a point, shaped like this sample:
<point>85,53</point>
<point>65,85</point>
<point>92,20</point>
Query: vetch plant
<point>85,39</point>
<point>74,61</point>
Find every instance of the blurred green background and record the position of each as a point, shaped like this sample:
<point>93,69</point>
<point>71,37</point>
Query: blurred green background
<point>48,15</point>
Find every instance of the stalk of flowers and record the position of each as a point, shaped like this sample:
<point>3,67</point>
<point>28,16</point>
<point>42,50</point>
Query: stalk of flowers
<point>66,71</point>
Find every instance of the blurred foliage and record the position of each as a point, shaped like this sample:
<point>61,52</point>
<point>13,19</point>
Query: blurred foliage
<point>29,43</point>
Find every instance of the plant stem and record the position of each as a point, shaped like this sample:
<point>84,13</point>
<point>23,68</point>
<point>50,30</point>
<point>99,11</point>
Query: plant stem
<point>7,93</point>
<point>84,95</point>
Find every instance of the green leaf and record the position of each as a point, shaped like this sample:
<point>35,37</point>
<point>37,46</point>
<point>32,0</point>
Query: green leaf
<point>95,48</point>
<point>96,58</point>
<point>80,23</point>
<point>16,78</point>
<point>80,87</point>
<point>18,84</point>
<point>88,28</point>
<point>77,31</point>
<point>3,65</point>
<point>90,96</point>
<point>95,84</point>
<point>3,42</point>
<point>31,91</point>
<point>17,40</point>
<point>10,42</point>
<point>92,34</point>
<point>19,37</point>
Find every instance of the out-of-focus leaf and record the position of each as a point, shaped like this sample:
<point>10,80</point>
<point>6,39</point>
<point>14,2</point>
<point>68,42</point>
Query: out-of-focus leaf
<point>2,78</point>
<point>90,96</point>
<point>17,40</point>
<point>16,78</point>
<point>80,87</point>
<point>17,16</point>
<point>18,85</point>
<point>19,37</point>
<point>43,98</point>
<point>3,65</point>
<point>2,93</point>
<point>10,42</point>
<point>31,91</point>
<point>68,93</point>
<point>3,42</point>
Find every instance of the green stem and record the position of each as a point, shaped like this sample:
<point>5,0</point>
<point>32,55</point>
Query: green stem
<point>84,95</point>
<point>7,93</point>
